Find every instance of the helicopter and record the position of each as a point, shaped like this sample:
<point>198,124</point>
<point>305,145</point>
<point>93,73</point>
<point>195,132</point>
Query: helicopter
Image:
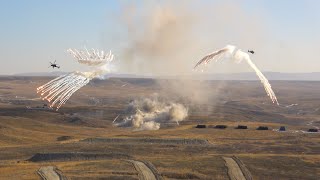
<point>54,65</point>
<point>251,51</point>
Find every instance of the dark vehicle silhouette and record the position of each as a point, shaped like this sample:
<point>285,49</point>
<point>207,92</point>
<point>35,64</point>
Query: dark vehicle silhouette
<point>250,51</point>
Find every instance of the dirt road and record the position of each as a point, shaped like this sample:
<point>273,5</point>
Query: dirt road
<point>234,171</point>
<point>144,172</point>
<point>50,173</point>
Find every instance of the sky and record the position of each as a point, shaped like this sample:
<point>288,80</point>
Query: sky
<point>284,34</point>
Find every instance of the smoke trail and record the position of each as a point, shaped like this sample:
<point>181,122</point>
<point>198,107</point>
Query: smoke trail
<point>93,58</point>
<point>238,55</point>
<point>60,89</point>
<point>263,80</point>
<point>149,113</point>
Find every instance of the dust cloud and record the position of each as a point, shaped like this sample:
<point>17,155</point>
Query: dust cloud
<point>165,39</point>
<point>150,113</point>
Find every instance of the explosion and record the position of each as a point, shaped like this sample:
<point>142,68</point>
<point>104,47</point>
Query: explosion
<point>149,113</point>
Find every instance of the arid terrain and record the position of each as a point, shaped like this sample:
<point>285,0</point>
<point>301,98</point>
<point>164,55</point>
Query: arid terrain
<point>80,141</point>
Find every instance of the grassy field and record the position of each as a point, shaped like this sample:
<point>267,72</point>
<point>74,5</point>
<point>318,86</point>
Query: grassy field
<point>90,112</point>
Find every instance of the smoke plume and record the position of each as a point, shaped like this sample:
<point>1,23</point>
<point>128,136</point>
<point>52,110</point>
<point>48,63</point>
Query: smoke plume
<point>165,39</point>
<point>150,113</point>
<point>168,37</point>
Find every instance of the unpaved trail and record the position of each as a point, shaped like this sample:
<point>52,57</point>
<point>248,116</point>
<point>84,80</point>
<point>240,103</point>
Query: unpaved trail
<point>50,173</point>
<point>144,172</point>
<point>234,171</point>
<point>311,123</point>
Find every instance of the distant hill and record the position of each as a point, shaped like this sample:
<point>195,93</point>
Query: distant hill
<point>56,73</point>
<point>313,76</point>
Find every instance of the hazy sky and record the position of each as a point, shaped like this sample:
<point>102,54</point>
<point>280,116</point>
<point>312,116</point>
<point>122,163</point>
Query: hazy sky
<point>285,34</point>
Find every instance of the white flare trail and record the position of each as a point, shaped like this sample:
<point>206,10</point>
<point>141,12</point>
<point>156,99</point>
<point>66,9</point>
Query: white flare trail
<point>238,55</point>
<point>59,90</point>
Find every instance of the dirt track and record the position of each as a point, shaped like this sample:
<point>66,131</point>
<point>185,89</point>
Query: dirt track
<point>174,141</point>
<point>75,156</point>
<point>234,171</point>
<point>144,172</point>
<point>50,173</point>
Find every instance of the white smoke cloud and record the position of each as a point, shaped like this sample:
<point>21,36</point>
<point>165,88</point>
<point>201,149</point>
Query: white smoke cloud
<point>149,113</point>
<point>59,90</point>
<point>238,55</point>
